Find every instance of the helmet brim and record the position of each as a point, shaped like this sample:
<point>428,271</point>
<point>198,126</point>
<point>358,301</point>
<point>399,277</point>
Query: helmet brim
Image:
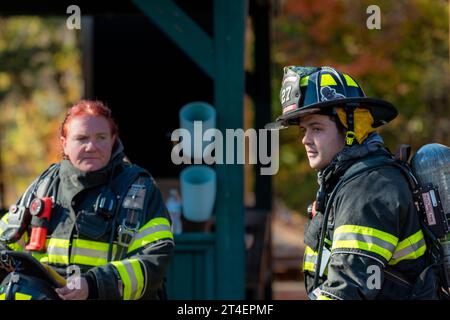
<point>381,111</point>
<point>30,266</point>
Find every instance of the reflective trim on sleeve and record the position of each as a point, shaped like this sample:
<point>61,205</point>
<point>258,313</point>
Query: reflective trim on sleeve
<point>130,272</point>
<point>310,259</point>
<point>410,248</point>
<point>154,230</point>
<point>91,253</point>
<point>365,238</point>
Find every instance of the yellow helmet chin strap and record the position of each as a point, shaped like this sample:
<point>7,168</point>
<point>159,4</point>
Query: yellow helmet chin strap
<point>362,123</point>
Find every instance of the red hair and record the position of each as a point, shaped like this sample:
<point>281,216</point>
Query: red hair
<point>88,107</point>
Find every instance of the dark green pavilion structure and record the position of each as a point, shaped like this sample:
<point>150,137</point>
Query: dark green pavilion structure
<point>146,59</point>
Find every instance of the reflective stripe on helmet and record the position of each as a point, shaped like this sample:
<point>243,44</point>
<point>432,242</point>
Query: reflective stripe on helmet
<point>22,296</point>
<point>154,230</point>
<point>130,271</point>
<point>327,80</point>
<point>365,238</point>
<point>350,81</point>
<point>304,81</point>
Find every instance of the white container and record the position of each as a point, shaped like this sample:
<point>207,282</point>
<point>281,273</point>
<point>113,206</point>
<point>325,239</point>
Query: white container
<point>198,192</point>
<point>196,117</point>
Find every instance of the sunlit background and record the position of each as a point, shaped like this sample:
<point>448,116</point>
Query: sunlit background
<point>405,62</point>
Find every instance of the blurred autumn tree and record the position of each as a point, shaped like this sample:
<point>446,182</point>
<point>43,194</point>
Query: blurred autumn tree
<point>405,62</point>
<point>40,76</point>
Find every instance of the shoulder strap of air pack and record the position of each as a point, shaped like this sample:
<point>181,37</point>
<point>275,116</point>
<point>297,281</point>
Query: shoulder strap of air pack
<point>131,191</point>
<point>369,164</point>
<point>364,166</point>
<point>45,185</point>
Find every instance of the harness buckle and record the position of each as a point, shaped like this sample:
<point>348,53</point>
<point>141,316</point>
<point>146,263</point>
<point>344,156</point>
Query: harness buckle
<point>349,137</point>
<point>126,233</point>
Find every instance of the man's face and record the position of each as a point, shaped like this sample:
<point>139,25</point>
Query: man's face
<point>321,138</point>
<point>88,143</point>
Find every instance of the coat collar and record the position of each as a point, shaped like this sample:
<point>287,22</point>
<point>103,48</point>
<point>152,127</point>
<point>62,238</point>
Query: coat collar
<point>74,180</point>
<point>348,156</point>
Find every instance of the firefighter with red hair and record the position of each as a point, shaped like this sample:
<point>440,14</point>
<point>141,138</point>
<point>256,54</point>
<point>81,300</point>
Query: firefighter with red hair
<point>104,216</point>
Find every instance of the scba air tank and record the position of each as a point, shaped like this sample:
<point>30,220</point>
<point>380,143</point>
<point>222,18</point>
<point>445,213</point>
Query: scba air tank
<point>431,164</point>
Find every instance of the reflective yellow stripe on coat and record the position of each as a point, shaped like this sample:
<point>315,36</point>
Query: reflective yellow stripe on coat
<point>58,251</point>
<point>310,259</point>
<point>366,239</point>
<point>410,248</point>
<point>154,230</point>
<point>130,272</point>
<point>90,253</point>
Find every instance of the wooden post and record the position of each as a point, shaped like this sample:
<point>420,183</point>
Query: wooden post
<point>222,58</point>
<point>229,35</point>
<point>262,92</point>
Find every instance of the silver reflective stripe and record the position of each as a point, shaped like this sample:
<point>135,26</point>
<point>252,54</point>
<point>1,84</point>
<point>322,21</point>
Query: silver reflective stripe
<point>311,258</point>
<point>151,230</point>
<point>364,238</point>
<point>90,253</point>
<point>58,251</point>
<point>409,249</point>
<point>132,277</point>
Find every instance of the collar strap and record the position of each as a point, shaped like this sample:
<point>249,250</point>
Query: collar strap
<point>350,136</point>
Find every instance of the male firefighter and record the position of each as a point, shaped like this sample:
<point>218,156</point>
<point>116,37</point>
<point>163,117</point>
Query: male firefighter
<point>364,239</point>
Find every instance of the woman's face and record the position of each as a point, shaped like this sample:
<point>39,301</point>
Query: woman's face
<point>89,142</point>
